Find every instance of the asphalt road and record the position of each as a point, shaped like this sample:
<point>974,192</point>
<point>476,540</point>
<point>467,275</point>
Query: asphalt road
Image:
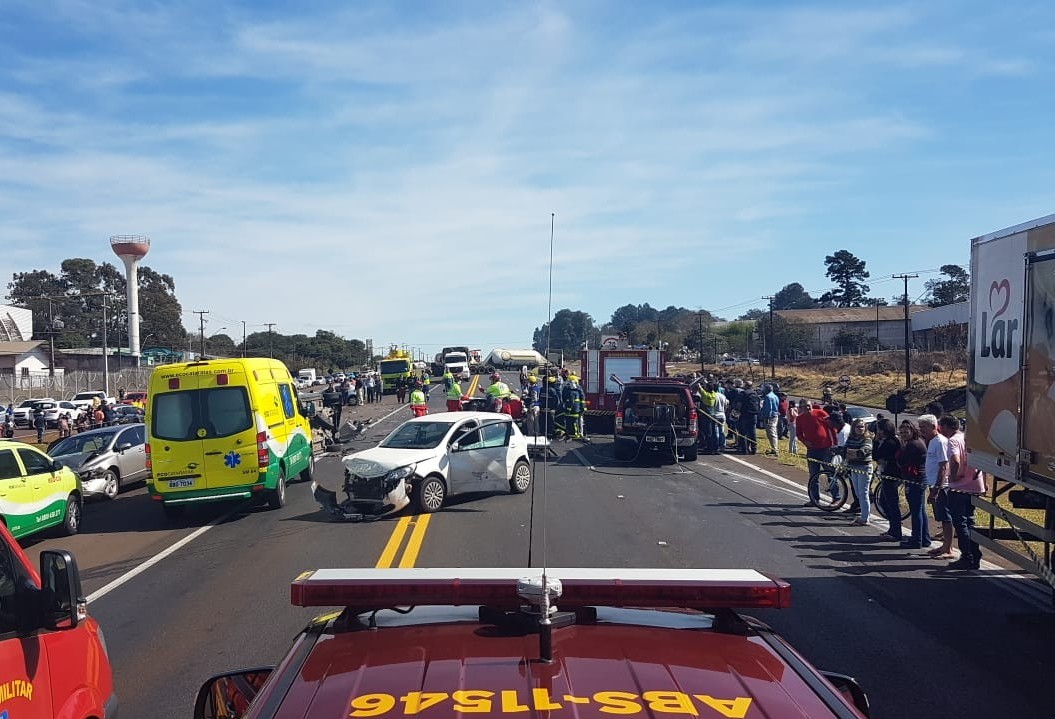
<point>923,642</point>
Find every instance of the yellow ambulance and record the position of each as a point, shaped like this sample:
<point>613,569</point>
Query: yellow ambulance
<point>225,429</point>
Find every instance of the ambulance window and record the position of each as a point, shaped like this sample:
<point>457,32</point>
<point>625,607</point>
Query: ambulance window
<point>226,411</point>
<point>9,468</point>
<point>173,416</point>
<point>34,462</point>
<point>287,400</point>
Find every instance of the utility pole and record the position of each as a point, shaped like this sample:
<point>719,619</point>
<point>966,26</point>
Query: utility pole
<point>201,320</point>
<point>106,353</point>
<point>877,327</point>
<point>772,343</point>
<point>699,344</point>
<point>270,343</point>
<point>908,357</point>
<point>243,338</point>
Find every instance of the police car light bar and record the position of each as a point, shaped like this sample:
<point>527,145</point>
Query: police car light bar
<point>702,589</point>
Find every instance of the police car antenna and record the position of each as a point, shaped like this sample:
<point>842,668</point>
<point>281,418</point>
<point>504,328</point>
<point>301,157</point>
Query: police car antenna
<point>545,401</point>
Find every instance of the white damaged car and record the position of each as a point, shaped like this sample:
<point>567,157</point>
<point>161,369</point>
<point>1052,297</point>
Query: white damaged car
<point>427,459</point>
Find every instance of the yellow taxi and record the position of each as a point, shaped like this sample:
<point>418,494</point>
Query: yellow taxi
<point>36,492</point>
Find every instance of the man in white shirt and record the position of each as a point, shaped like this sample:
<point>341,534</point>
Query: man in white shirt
<point>936,470</point>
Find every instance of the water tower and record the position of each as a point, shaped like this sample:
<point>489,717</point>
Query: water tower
<point>131,249</point>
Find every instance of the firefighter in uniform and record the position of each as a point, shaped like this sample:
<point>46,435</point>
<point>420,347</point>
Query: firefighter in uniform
<point>553,409</point>
<point>532,398</point>
<point>574,405</point>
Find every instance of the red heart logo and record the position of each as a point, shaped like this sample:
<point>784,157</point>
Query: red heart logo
<point>1003,287</point>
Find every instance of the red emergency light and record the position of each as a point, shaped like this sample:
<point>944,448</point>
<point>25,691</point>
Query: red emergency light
<point>701,589</point>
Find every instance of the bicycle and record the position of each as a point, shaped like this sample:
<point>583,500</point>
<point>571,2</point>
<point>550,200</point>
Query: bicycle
<point>879,486</point>
<point>829,488</point>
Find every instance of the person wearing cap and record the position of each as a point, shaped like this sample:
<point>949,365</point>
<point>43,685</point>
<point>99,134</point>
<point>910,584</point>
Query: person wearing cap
<point>496,393</point>
<point>532,398</point>
<point>454,392</point>
<point>418,403</point>
<point>550,409</point>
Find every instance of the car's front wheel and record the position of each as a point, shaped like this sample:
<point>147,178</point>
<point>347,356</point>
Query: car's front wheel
<point>71,522</point>
<point>429,494</point>
<point>521,477</point>
<point>111,484</point>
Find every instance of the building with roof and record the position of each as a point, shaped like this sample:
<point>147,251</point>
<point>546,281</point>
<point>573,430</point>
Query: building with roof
<point>16,324</point>
<point>25,361</point>
<point>826,324</point>
<point>942,328</point>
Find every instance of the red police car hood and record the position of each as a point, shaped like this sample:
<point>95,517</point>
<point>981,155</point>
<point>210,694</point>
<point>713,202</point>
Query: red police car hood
<point>599,671</point>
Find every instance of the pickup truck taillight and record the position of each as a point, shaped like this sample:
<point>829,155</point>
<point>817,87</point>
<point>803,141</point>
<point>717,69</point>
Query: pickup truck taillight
<point>618,422</point>
<point>692,422</point>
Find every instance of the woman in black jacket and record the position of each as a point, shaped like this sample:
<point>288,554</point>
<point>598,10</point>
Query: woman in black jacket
<point>884,452</point>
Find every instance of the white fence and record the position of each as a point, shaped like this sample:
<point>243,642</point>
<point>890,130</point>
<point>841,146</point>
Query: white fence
<point>16,388</point>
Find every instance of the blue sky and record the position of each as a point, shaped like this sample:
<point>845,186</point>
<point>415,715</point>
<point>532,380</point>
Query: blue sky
<point>388,170</point>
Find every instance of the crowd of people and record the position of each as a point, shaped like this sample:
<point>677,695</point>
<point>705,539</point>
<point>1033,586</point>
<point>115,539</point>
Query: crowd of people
<point>98,414</point>
<point>928,457</point>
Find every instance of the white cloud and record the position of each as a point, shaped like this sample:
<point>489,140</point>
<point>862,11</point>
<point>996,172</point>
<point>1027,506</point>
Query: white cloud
<point>356,171</point>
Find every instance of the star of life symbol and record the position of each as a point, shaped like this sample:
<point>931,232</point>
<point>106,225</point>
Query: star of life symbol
<point>232,459</point>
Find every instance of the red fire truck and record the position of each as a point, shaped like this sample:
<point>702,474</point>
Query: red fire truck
<point>602,392</point>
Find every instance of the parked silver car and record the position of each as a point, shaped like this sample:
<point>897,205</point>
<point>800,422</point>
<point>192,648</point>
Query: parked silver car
<point>106,459</point>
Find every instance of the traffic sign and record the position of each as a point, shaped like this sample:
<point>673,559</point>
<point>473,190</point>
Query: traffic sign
<point>845,380</point>
<point>896,403</point>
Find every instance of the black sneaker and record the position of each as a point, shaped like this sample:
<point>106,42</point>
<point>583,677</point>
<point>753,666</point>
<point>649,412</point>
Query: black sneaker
<point>962,563</point>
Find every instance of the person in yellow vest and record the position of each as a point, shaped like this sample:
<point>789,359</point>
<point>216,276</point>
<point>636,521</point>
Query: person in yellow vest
<point>425,381</point>
<point>496,393</point>
<point>454,392</point>
<point>418,403</point>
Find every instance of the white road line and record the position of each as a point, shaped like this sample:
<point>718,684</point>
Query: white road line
<point>795,485</point>
<point>132,574</point>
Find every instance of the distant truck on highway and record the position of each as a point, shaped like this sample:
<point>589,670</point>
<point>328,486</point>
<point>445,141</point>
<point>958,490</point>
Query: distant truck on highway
<point>440,360</point>
<point>457,363</point>
<point>308,375</point>
<point>1011,390</point>
<point>514,359</point>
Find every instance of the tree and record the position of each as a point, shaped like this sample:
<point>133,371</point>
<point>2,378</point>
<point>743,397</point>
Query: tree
<point>847,272</point>
<point>851,341</point>
<point>751,314</point>
<point>571,329</point>
<point>788,339</point>
<point>956,288</point>
<point>793,297</point>
<point>77,302</point>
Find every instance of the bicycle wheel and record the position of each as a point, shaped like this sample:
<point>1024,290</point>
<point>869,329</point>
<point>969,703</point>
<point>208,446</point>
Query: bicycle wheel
<point>880,488</point>
<point>828,490</point>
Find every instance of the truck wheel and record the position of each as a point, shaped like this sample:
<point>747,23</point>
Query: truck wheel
<point>276,498</point>
<point>307,473</point>
<point>71,523</point>
<point>521,479</point>
<point>624,451</point>
<point>691,453</point>
<point>429,494</point>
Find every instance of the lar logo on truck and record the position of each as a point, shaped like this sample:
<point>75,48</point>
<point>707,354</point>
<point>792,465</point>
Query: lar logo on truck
<point>998,335</point>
